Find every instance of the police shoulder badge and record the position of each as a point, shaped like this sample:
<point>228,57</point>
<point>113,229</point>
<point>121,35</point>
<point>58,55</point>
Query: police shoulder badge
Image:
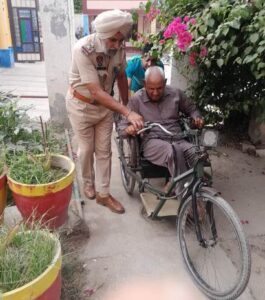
<point>88,49</point>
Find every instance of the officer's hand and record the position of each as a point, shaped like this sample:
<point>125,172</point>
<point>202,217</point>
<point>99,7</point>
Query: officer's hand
<point>198,122</point>
<point>130,130</point>
<point>136,120</point>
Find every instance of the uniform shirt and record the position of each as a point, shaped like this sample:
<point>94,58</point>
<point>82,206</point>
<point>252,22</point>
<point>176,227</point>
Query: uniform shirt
<point>90,64</point>
<point>135,71</point>
<point>166,111</point>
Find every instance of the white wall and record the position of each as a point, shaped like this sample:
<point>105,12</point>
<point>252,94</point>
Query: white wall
<point>57,18</point>
<point>181,76</point>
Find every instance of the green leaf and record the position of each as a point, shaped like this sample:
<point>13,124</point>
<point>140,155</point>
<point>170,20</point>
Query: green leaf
<point>260,75</point>
<point>203,29</point>
<point>225,31</point>
<point>249,58</point>
<point>238,60</point>
<point>210,22</point>
<point>253,38</point>
<point>224,45</point>
<point>220,62</point>
<point>261,65</point>
<point>248,50</point>
<point>148,6</point>
<point>261,49</point>
<point>258,3</point>
<point>207,63</point>
<point>234,24</point>
<point>234,51</point>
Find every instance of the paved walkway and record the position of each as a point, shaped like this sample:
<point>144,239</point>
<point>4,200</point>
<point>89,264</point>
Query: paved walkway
<point>27,81</point>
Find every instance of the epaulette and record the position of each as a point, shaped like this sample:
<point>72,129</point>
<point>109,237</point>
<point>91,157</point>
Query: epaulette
<point>88,49</point>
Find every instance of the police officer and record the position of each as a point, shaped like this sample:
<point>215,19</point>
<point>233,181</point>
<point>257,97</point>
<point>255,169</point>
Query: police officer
<point>99,59</point>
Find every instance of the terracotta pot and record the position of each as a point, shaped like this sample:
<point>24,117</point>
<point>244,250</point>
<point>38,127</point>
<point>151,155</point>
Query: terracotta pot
<point>47,203</point>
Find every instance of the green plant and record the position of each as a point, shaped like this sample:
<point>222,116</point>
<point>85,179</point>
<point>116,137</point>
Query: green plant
<point>20,133</point>
<point>1,166</point>
<point>231,74</point>
<point>228,52</point>
<point>25,254</point>
<point>29,169</point>
<point>78,6</point>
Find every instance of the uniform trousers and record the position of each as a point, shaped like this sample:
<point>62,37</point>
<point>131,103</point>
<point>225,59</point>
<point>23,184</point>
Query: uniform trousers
<point>92,126</point>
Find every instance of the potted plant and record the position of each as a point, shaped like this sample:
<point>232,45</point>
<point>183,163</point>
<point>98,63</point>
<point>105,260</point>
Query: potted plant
<point>42,184</point>
<point>30,264</point>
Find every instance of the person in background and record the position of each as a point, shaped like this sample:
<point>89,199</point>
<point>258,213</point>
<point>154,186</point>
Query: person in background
<point>98,60</point>
<point>136,67</point>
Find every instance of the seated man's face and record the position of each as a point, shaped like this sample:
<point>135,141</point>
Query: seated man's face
<point>155,87</point>
<point>114,43</point>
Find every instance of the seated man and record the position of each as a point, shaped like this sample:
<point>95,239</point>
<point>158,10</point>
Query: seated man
<point>157,102</point>
<point>136,67</point>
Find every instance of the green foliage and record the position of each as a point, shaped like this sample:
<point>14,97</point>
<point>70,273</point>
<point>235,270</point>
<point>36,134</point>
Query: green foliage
<point>20,133</point>
<point>1,166</point>
<point>78,6</point>
<point>29,169</point>
<point>24,255</point>
<point>231,77</point>
<point>172,8</point>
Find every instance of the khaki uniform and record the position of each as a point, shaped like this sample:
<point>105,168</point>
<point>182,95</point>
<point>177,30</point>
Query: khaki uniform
<point>92,123</point>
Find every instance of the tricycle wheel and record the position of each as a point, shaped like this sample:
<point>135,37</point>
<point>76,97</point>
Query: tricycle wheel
<point>129,151</point>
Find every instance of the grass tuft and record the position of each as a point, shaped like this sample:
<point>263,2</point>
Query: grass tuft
<point>24,255</point>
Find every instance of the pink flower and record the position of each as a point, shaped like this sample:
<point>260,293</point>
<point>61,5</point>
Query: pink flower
<point>179,30</point>
<point>186,18</point>
<point>192,58</point>
<point>193,21</point>
<point>204,52</point>
<point>153,12</point>
<point>162,42</point>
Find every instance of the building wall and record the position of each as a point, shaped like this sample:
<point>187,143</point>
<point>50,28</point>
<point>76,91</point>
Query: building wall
<point>5,35</point>
<point>95,7</point>
<point>6,50</point>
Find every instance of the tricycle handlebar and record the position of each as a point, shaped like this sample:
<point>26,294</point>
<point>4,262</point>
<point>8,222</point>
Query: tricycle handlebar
<point>148,125</point>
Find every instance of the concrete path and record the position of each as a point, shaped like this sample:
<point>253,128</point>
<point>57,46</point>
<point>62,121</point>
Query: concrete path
<point>28,82</point>
<point>123,247</point>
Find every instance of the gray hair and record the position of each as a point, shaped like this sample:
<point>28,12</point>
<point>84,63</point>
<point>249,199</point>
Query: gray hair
<point>154,70</point>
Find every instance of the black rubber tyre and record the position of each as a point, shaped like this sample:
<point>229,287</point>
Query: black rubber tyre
<point>222,268</point>
<point>129,151</point>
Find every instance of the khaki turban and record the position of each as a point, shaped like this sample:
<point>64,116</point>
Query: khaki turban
<point>108,23</point>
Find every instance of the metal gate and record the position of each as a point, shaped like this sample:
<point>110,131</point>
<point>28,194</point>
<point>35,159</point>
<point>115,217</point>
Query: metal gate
<point>25,30</point>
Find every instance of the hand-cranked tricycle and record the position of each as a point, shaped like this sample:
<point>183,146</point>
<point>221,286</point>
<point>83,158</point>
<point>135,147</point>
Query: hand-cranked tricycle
<point>210,235</point>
